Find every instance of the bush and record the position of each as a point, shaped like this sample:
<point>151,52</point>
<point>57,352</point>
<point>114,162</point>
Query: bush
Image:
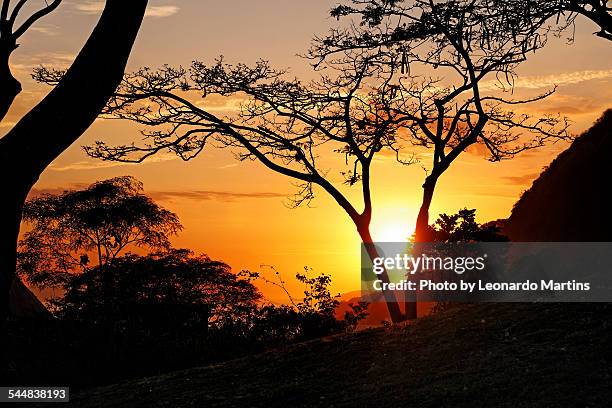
<point>314,315</point>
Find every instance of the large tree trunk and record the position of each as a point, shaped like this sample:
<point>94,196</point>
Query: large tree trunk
<point>9,85</point>
<point>422,234</point>
<point>61,118</point>
<point>10,216</point>
<point>392,305</point>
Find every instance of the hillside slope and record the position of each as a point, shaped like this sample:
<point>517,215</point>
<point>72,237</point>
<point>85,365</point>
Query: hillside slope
<point>510,355</point>
<point>571,198</point>
<point>24,303</point>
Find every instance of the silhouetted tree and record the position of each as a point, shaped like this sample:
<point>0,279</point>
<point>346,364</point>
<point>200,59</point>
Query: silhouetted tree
<point>174,277</point>
<point>317,299</point>
<point>60,118</point>
<point>457,109</point>
<point>102,221</point>
<point>311,316</point>
<point>283,123</point>
<point>462,227</point>
<point>10,32</point>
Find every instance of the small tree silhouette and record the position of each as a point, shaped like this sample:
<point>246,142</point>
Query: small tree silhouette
<point>462,227</point>
<point>313,315</point>
<point>101,220</point>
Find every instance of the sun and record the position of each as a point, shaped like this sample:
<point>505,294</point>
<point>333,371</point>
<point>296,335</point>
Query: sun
<point>388,231</point>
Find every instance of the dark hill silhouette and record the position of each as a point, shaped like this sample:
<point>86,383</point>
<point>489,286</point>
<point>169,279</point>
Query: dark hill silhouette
<point>486,355</point>
<point>570,200</point>
<point>24,303</point>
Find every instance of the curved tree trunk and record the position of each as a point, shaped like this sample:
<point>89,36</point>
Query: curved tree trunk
<point>61,118</point>
<point>392,305</point>
<point>421,235</point>
<point>10,218</point>
<point>422,224</point>
<point>9,85</point>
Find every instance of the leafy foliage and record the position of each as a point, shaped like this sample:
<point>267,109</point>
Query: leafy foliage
<point>312,316</point>
<point>174,277</point>
<point>101,221</point>
<point>156,293</point>
<point>462,227</point>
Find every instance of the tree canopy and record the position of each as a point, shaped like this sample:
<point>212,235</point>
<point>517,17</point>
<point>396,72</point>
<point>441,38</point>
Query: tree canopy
<point>458,68</point>
<point>173,277</point>
<point>101,221</point>
<point>462,227</point>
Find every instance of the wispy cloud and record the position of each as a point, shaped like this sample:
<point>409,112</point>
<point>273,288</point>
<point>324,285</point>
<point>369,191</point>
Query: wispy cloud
<point>546,81</point>
<point>57,60</point>
<point>94,7</point>
<point>161,11</point>
<point>46,29</point>
<point>227,196</point>
<point>90,7</point>
<point>573,104</point>
<point>84,165</point>
<point>522,180</point>
<point>99,164</point>
<point>217,103</point>
<point>228,166</point>
<point>37,192</point>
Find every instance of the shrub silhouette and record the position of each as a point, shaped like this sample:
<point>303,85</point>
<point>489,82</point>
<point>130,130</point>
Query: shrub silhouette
<point>462,227</point>
<point>172,279</point>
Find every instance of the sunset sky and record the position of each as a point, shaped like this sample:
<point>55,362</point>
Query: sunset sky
<point>237,212</point>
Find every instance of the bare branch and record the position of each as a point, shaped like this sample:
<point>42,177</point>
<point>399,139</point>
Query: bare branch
<point>34,17</point>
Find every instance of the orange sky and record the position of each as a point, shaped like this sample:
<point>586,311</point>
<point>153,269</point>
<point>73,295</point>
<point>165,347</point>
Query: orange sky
<point>236,212</point>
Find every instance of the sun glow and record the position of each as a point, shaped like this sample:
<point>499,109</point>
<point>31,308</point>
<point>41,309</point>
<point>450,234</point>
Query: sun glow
<point>392,231</point>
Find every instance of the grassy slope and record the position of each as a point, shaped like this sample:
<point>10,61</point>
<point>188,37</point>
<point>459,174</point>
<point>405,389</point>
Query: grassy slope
<point>510,355</point>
